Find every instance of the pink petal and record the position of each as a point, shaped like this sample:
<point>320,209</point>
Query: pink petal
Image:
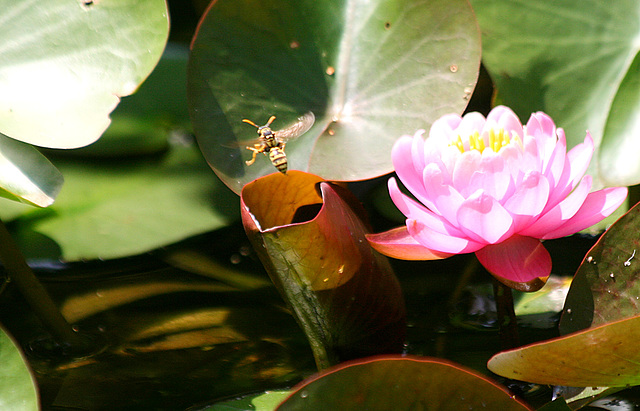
<point>441,194</point>
<point>541,128</point>
<point>446,159</point>
<point>529,199</point>
<point>441,242</point>
<point>491,176</point>
<point>555,164</point>
<point>530,159</point>
<point>415,211</point>
<point>579,158</point>
<point>397,243</point>
<point>561,213</point>
<point>512,156</point>
<point>520,259</point>
<point>484,219</point>
<point>402,158</point>
<point>597,206</point>
<point>417,150</point>
<point>445,125</point>
<point>466,164</point>
<point>471,122</point>
<point>576,165</point>
<point>503,117</point>
<point>541,125</point>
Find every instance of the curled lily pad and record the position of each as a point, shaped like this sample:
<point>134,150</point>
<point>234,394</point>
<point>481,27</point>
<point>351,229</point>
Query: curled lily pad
<point>342,293</point>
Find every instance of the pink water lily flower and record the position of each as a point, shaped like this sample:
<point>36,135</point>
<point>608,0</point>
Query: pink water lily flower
<point>494,187</point>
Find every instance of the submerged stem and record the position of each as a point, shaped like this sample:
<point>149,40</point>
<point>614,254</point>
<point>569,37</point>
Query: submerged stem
<point>506,315</point>
<point>34,292</point>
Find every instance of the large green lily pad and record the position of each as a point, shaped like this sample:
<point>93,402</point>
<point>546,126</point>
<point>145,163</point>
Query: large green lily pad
<point>370,71</point>
<point>577,61</point>
<point>143,185</point>
<point>65,63</point>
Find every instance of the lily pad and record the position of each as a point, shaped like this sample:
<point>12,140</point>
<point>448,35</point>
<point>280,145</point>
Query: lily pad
<point>604,356</point>
<point>400,383</point>
<point>370,71</point>
<point>17,386</point>
<point>26,175</point>
<point>117,208</point>
<point>606,287</point>
<point>577,61</point>
<point>65,63</point>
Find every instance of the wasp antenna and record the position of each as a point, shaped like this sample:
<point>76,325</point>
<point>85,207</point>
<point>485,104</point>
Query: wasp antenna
<point>244,120</point>
<point>270,121</point>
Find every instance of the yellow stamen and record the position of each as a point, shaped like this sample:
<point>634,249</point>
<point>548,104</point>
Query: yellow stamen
<point>497,140</point>
<point>458,143</point>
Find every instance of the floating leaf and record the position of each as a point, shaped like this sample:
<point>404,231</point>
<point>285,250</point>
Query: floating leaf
<point>370,71</point>
<point>65,63</point>
<point>26,175</point>
<point>574,60</point>
<point>17,386</point>
<point>606,287</point>
<point>400,383</point>
<point>157,112</point>
<point>604,356</point>
<point>344,295</point>
<point>618,161</point>
<point>116,208</point>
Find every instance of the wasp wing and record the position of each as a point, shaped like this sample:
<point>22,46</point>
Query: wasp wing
<point>298,128</point>
<point>243,143</point>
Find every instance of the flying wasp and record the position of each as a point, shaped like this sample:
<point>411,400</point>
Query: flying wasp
<point>273,142</point>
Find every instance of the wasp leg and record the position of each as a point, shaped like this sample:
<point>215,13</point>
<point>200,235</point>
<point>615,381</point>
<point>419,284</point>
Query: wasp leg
<point>255,150</point>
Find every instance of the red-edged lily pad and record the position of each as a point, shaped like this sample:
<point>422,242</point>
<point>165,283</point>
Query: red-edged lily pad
<point>370,71</point>
<point>606,287</point>
<point>400,383</point>
<point>605,356</point>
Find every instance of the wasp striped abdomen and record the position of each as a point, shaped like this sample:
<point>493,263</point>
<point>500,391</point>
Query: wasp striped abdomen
<point>278,158</point>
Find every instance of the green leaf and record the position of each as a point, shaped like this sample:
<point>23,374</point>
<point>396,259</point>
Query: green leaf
<point>370,71</point>
<point>574,60</point>
<point>145,121</point>
<point>109,209</point>
<point>606,287</point>
<point>400,383</point>
<point>17,387</point>
<point>65,63</point>
<point>343,294</point>
<point>603,299</point>
<point>618,166</point>
<point>26,175</point>
<point>604,356</point>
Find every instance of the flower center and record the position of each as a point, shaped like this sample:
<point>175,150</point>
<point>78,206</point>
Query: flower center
<point>494,140</point>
